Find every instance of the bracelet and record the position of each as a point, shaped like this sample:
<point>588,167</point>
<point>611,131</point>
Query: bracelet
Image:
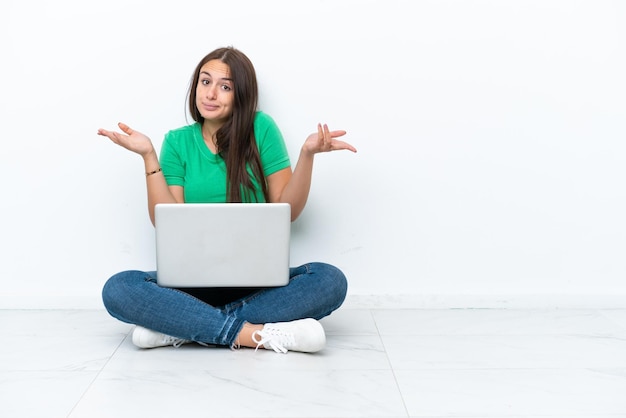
<point>153,172</point>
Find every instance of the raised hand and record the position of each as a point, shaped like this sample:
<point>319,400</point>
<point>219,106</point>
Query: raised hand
<point>133,140</point>
<point>324,141</point>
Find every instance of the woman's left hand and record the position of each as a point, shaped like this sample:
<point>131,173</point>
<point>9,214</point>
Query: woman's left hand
<point>324,141</point>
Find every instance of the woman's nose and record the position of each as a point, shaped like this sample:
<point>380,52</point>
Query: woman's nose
<point>211,92</point>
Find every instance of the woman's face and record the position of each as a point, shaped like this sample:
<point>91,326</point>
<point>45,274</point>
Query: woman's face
<point>214,92</point>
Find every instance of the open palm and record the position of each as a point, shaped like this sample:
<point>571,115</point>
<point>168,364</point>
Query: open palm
<point>132,140</point>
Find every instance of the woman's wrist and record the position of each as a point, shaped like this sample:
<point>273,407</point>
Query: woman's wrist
<point>150,156</point>
<point>304,152</point>
<point>151,163</point>
<point>149,173</point>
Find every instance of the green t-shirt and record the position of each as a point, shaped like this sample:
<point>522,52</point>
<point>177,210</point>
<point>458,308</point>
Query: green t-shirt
<point>187,161</point>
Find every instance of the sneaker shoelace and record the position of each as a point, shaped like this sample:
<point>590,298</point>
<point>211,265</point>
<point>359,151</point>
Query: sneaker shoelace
<point>176,342</point>
<point>277,339</point>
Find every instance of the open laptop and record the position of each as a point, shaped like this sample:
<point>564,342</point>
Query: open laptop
<point>222,244</point>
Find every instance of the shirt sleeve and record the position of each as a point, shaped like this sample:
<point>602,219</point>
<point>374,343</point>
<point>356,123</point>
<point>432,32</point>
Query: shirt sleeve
<point>272,147</point>
<point>171,161</point>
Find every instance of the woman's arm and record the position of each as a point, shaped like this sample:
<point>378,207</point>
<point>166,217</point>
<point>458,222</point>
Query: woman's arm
<point>293,188</point>
<point>158,190</point>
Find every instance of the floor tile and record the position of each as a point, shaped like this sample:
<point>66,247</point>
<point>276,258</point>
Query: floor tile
<point>37,394</point>
<point>458,363</point>
<point>57,353</point>
<point>361,352</point>
<point>504,352</point>
<point>512,393</point>
<point>350,322</point>
<point>495,322</point>
<point>64,323</point>
<point>618,316</point>
<point>242,393</point>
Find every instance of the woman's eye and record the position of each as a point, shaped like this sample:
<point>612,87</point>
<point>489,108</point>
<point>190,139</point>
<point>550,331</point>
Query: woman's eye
<point>226,88</point>
<point>204,82</point>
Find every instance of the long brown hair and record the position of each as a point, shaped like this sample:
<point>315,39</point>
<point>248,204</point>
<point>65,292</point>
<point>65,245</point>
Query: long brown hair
<point>235,139</point>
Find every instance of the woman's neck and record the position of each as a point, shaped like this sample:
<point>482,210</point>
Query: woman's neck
<point>209,133</point>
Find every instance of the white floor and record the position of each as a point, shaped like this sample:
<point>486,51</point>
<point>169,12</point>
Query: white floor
<point>378,363</point>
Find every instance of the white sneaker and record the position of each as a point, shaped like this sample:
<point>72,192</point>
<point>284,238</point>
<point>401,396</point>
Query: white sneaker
<point>304,335</point>
<point>146,338</point>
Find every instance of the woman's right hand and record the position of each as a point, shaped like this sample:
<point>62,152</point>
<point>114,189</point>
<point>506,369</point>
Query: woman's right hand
<point>133,140</point>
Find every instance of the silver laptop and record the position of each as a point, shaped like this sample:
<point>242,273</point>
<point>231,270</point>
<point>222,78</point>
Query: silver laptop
<point>222,244</point>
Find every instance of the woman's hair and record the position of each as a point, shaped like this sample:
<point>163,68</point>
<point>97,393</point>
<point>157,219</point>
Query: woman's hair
<point>235,139</point>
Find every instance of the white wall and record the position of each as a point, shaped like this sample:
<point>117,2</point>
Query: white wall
<point>491,138</point>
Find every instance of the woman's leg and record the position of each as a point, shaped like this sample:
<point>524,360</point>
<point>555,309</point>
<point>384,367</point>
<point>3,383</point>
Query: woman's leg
<point>315,290</point>
<point>135,298</point>
<point>284,318</point>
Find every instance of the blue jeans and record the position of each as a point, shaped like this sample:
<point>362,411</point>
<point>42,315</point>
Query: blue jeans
<point>314,291</point>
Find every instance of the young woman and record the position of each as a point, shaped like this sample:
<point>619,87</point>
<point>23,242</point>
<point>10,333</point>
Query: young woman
<point>232,153</point>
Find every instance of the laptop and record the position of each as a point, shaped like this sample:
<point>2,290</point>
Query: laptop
<point>222,244</point>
